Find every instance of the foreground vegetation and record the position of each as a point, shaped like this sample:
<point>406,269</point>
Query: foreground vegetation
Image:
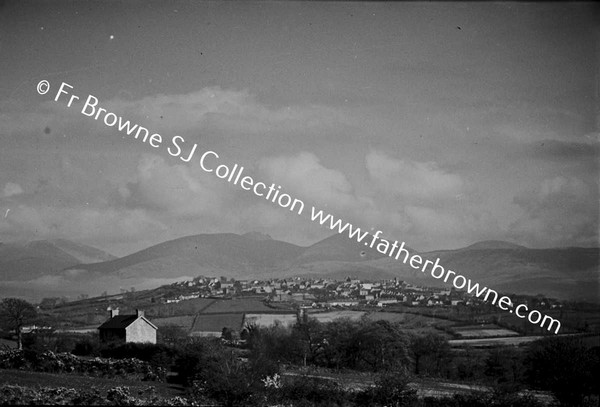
<point>342,363</point>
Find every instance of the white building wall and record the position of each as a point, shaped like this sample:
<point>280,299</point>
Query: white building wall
<point>140,331</point>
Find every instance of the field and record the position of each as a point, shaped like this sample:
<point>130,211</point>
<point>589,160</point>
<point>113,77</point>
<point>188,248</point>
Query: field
<point>237,305</point>
<point>590,340</point>
<point>187,307</point>
<point>184,321</point>
<point>483,331</point>
<point>265,320</point>
<point>486,333</point>
<point>492,342</point>
<point>333,315</point>
<point>410,320</point>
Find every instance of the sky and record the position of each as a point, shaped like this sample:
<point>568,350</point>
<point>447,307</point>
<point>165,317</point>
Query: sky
<point>441,124</point>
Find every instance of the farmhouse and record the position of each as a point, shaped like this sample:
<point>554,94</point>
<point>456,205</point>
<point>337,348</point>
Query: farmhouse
<point>127,328</point>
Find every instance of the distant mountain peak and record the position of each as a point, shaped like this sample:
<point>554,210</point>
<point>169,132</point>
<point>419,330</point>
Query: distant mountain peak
<point>493,244</point>
<point>257,236</point>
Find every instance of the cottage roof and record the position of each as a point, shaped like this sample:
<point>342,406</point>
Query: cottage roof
<point>122,322</point>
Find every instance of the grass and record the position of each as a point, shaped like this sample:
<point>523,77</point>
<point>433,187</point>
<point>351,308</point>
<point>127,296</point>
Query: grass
<point>77,382</point>
<point>330,316</point>
<point>184,321</point>
<point>409,319</point>
<point>237,305</point>
<point>485,333</point>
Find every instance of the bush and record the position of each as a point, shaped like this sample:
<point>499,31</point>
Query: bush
<point>87,347</point>
<point>310,391</point>
<point>565,366</point>
<point>479,399</point>
<point>42,340</point>
<point>219,373</point>
<point>189,363</point>
<point>18,395</point>
<point>157,355</point>
<point>391,389</point>
<point>67,363</point>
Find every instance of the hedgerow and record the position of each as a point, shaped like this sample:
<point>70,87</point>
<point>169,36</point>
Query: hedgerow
<point>117,396</point>
<point>67,363</point>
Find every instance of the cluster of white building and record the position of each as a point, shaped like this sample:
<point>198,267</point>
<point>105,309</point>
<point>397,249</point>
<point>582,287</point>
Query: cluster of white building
<point>322,292</point>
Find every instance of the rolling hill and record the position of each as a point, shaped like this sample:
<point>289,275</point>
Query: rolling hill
<point>567,273</point>
<point>43,269</point>
<point>29,260</point>
<point>338,248</point>
<point>215,254</point>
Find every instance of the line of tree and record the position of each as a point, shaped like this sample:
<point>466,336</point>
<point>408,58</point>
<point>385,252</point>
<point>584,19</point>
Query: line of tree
<point>16,313</point>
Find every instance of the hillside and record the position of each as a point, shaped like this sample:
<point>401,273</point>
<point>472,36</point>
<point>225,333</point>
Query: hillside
<point>566,273</point>
<point>493,245</point>
<point>561,272</point>
<point>53,268</point>
<point>213,254</point>
<point>29,260</point>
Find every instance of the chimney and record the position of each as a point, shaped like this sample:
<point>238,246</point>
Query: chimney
<point>302,316</point>
<point>114,312</point>
<point>139,313</point>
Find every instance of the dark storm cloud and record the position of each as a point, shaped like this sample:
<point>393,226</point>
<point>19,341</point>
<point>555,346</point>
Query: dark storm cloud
<point>561,150</point>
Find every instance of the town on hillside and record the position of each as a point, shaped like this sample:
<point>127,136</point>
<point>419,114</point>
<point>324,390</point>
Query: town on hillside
<point>208,306</point>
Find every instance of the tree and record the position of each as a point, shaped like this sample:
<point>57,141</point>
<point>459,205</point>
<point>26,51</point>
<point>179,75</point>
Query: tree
<point>381,345</point>
<point>217,372</point>
<point>15,313</point>
<point>433,346</point>
<point>504,366</point>
<point>309,335</point>
<point>392,388</point>
<point>227,334</point>
<point>171,334</point>
<point>565,366</point>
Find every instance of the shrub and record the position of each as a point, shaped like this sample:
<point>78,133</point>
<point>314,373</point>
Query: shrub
<point>391,389</point>
<point>565,366</point>
<point>18,395</point>
<point>156,354</point>
<point>87,347</point>
<point>309,391</point>
<point>67,363</point>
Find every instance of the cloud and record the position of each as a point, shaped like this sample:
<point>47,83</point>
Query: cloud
<point>100,175</point>
<point>305,175</point>
<point>191,201</point>
<point>412,180</point>
<point>429,220</point>
<point>330,190</point>
<point>561,211</point>
<point>556,150</point>
<point>80,224</point>
<point>556,194</point>
<point>230,110</point>
<point>173,190</point>
<point>11,189</point>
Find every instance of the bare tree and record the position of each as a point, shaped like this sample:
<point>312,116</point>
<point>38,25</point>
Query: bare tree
<point>14,313</point>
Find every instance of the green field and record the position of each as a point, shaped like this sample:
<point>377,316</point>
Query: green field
<point>184,321</point>
<point>237,305</point>
<point>410,319</point>
<point>483,331</point>
<point>325,317</point>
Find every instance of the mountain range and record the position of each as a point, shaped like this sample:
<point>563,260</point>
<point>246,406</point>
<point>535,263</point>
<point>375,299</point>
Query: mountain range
<point>49,268</point>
